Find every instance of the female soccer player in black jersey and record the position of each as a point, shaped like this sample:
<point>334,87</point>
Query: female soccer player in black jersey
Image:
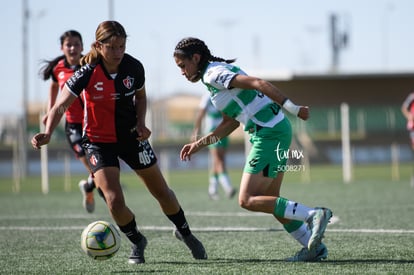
<point>114,126</point>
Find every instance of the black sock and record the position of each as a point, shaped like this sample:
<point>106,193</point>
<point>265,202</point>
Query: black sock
<point>180,222</point>
<point>101,194</point>
<point>132,232</point>
<point>91,184</point>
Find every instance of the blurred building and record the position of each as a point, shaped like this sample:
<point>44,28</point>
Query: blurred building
<point>375,117</point>
<point>172,118</point>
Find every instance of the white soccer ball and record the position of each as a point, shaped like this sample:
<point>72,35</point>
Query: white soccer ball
<point>100,240</point>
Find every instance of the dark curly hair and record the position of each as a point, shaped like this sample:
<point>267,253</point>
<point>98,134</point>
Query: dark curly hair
<point>191,45</point>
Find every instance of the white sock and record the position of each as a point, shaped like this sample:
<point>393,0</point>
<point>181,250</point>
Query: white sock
<point>302,235</point>
<point>212,187</point>
<point>291,210</point>
<point>225,182</point>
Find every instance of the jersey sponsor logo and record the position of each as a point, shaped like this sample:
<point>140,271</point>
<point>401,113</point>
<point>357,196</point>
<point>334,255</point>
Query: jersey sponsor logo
<point>130,93</point>
<point>115,96</point>
<point>61,75</point>
<point>78,74</point>
<point>128,82</point>
<point>93,160</point>
<point>253,162</point>
<point>77,148</point>
<point>98,86</point>
<point>223,78</point>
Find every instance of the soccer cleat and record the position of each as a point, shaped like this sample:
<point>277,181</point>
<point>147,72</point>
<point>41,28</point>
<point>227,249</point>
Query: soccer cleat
<point>231,194</point>
<point>137,253</point>
<point>88,200</point>
<point>317,224</point>
<point>196,247</point>
<point>305,255</point>
<point>213,196</point>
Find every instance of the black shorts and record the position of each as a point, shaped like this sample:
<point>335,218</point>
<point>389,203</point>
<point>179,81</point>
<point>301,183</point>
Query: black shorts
<point>137,154</point>
<point>73,133</point>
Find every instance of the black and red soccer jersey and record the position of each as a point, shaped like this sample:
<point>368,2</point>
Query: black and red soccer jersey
<point>109,100</point>
<point>61,72</point>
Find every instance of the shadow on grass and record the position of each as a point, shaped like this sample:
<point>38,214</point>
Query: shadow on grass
<point>367,261</point>
<point>217,262</point>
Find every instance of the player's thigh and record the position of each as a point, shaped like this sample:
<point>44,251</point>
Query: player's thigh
<point>259,185</point>
<point>154,181</point>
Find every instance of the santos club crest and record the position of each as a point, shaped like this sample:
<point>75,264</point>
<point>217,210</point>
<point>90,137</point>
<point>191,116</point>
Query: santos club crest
<point>128,82</point>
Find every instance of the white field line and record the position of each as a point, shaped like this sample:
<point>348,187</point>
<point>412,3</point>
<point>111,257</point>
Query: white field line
<point>206,229</point>
<point>334,220</point>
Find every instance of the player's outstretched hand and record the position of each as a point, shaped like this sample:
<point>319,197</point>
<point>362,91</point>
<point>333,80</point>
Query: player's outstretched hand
<point>40,139</point>
<point>188,150</point>
<point>185,153</point>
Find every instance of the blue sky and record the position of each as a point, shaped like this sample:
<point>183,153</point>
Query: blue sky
<point>264,35</point>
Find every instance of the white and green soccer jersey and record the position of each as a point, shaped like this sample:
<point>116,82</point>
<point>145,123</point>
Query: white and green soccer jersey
<point>249,107</point>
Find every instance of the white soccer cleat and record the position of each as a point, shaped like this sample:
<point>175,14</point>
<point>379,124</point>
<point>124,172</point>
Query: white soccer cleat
<point>305,255</point>
<point>317,224</point>
<point>88,200</point>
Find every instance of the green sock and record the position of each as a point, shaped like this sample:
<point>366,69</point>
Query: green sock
<point>299,231</point>
<point>280,207</point>
<point>292,226</point>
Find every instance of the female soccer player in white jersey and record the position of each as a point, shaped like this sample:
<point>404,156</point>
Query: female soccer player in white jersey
<point>257,105</point>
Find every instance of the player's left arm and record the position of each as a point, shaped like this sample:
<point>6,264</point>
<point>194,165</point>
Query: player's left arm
<point>141,111</point>
<point>254,83</point>
<point>225,128</point>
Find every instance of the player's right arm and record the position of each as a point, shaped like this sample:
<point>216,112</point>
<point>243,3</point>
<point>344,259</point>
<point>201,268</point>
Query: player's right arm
<point>71,90</point>
<point>54,115</point>
<point>53,92</point>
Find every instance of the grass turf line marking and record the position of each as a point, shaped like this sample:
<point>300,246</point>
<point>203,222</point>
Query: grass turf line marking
<point>209,229</point>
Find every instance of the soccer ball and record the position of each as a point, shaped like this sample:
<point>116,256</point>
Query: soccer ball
<point>100,240</point>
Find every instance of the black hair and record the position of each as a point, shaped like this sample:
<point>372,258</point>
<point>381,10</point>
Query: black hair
<point>191,45</point>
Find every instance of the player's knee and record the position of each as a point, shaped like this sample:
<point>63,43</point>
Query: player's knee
<point>245,203</point>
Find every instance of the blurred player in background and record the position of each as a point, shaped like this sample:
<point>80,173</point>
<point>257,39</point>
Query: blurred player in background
<point>59,70</point>
<point>257,105</point>
<point>112,84</point>
<point>217,166</point>
<point>407,109</point>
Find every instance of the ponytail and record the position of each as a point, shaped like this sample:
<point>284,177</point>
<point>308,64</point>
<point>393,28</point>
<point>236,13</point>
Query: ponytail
<point>106,31</point>
<point>92,57</point>
<point>46,71</point>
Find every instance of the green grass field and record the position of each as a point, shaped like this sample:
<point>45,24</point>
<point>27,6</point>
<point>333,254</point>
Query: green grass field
<point>372,231</point>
